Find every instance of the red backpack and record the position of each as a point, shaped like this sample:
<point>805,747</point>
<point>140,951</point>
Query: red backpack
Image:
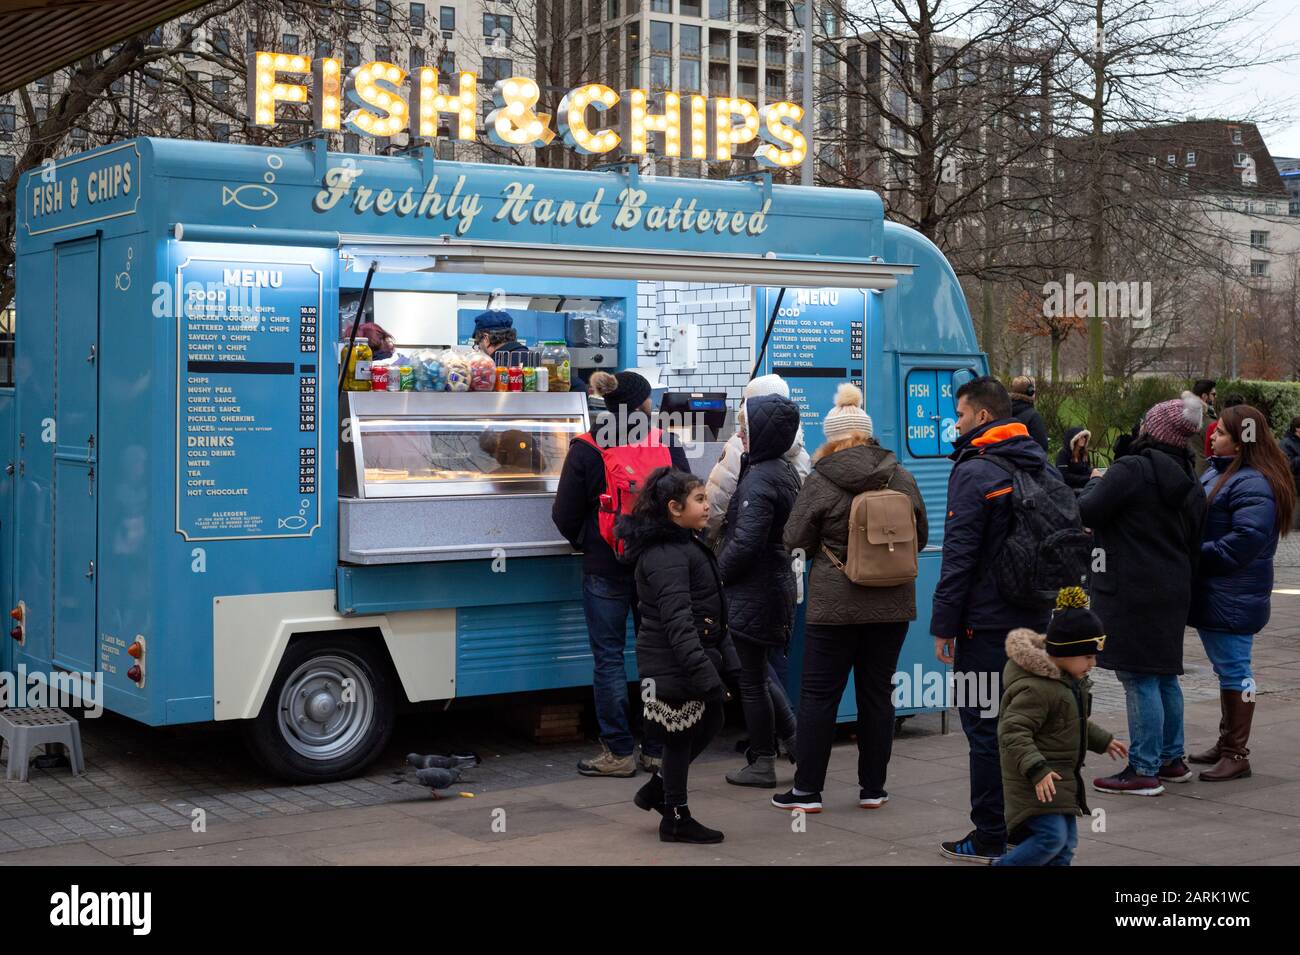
<point>626,468</point>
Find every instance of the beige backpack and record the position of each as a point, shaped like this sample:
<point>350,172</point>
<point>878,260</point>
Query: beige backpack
<point>882,539</point>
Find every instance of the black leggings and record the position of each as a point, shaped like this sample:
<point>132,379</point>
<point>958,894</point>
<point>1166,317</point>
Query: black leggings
<point>681,748</point>
<point>768,714</point>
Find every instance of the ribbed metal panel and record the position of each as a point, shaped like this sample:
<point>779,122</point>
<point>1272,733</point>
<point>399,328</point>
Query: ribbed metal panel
<point>932,478</point>
<point>512,647</point>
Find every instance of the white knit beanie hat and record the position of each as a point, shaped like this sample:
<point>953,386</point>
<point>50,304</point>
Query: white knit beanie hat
<point>767,385</point>
<point>847,416</point>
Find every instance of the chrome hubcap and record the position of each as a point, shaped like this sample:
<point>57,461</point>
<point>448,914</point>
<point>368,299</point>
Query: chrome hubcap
<point>326,707</point>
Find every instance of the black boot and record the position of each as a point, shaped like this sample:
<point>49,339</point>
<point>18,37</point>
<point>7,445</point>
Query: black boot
<point>651,795</point>
<point>678,826</point>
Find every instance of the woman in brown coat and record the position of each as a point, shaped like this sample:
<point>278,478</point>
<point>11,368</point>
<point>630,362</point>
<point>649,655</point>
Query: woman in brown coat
<point>848,626</point>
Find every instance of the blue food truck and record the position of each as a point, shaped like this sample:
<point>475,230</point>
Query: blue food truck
<point>198,517</point>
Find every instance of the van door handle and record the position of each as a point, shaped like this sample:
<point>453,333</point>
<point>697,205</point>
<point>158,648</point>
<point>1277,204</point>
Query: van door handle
<point>90,482</point>
<point>9,469</point>
<point>91,356</point>
<point>91,572</point>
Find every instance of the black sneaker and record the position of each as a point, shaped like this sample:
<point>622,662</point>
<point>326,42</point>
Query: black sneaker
<point>866,801</point>
<point>971,849</point>
<point>788,800</point>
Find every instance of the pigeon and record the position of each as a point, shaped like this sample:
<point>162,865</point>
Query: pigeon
<point>442,762</point>
<point>435,777</point>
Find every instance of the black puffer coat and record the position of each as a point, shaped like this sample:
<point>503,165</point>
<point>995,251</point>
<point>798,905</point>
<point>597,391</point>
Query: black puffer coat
<point>680,645</point>
<point>1146,515</point>
<point>755,565</point>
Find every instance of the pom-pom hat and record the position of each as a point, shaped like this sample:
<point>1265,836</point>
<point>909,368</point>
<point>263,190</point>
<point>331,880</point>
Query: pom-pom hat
<point>847,416</point>
<point>1175,420</point>
<point>1075,631</point>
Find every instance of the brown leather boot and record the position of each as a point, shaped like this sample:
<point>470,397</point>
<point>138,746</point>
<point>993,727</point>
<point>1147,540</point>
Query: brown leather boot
<point>1212,754</point>
<point>1233,763</point>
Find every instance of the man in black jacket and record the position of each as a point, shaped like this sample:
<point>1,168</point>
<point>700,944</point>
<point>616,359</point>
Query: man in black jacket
<point>971,619</point>
<point>1023,391</point>
<point>608,587</point>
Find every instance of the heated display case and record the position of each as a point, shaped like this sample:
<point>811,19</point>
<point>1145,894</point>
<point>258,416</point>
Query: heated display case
<point>448,476</point>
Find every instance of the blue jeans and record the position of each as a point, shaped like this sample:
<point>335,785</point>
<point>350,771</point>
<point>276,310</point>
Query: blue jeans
<point>1155,719</point>
<point>1229,654</point>
<point>1052,841</point>
<point>984,652</point>
<point>606,602</point>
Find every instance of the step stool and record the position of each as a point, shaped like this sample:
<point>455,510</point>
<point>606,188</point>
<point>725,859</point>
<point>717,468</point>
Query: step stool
<point>25,727</point>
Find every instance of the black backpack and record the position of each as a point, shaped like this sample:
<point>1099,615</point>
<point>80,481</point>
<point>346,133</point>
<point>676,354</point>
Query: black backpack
<point>1046,546</point>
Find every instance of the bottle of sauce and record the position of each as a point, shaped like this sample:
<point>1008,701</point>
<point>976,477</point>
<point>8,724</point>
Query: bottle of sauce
<point>359,365</point>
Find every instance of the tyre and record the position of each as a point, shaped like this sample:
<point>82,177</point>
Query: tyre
<point>329,711</point>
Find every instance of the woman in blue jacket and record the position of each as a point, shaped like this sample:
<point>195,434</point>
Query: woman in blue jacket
<point>1251,498</point>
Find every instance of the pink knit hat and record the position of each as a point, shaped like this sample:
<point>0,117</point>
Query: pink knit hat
<point>1175,420</point>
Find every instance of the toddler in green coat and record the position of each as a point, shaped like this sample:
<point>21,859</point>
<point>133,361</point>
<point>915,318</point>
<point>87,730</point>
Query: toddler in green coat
<point>1043,731</point>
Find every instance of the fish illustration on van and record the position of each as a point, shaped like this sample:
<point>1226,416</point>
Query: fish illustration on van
<point>293,522</point>
<point>250,196</point>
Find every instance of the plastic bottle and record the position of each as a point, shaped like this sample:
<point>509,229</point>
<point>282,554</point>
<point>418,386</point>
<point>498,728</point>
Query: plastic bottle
<point>359,365</point>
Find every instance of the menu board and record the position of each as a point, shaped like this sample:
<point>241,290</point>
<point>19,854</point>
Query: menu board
<point>248,399</point>
<point>816,345</point>
<point>931,413</point>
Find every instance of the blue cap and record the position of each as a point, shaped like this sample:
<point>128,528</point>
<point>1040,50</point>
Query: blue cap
<point>492,322</point>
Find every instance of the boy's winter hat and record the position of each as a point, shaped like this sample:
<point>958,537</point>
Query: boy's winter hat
<point>630,391</point>
<point>1175,420</point>
<point>1075,631</point>
<point>847,416</point>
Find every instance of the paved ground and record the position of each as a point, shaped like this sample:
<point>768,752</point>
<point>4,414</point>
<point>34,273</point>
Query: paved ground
<point>136,803</point>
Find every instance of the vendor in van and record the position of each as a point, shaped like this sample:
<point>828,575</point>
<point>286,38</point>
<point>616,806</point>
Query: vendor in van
<point>494,334</point>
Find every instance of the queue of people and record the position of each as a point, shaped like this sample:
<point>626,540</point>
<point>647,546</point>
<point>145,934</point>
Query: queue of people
<point>710,572</point>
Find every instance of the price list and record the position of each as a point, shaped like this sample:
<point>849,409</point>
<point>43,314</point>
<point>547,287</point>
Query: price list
<point>248,399</point>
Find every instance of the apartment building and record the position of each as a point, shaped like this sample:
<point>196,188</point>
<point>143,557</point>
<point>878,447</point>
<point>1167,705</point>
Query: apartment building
<point>493,38</point>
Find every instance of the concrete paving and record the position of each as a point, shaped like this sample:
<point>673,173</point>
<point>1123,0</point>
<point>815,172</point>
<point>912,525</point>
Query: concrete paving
<point>136,804</point>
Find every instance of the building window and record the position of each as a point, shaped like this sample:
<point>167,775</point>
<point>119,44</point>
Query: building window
<point>384,54</point>
<point>661,36</point>
<point>447,18</point>
<point>383,14</point>
<point>496,68</point>
<point>417,16</point>
<point>688,8</point>
<point>661,72</point>
<point>351,54</point>
<point>1259,240</point>
<point>323,49</point>
<point>633,54</point>
<point>221,41</point>
<point>633,7</point>
<point>690,75</point>
<point>352,10</point>
<point>1191,157</point>
<point>611,9</point>
<point>447,68</point>
<point>719,45</point>
<point>497,24</point>
<point>661,6</point>
<point>1151,160</point>
<point>221,132</point>
<point>6,167</point>
<point>289,42</point>
<point>719,9</point>
<point>220,86</point>
<point>8,118</point>
<point>351,143</point>
<point>688,39</point>
<point>187,30</point>
<point>1236,137</point>
<point>1259,267</point>
<point>416,57</point>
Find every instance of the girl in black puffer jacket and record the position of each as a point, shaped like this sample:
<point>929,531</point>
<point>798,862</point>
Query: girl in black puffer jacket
<point>680,646</point>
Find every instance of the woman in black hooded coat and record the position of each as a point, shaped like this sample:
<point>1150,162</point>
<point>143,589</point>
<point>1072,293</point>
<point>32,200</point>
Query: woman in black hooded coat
<point>759,577</point>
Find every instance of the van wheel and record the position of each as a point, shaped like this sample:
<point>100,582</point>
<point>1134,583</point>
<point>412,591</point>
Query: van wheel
<point>329,711</point>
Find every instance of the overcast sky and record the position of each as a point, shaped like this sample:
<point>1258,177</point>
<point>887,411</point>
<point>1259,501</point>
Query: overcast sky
<point>1265,89</point>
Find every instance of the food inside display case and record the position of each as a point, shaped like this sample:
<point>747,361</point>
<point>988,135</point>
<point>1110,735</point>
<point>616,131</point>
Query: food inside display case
<point>439,476</point>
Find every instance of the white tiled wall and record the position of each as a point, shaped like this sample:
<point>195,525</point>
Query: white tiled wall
<point>725,316</point>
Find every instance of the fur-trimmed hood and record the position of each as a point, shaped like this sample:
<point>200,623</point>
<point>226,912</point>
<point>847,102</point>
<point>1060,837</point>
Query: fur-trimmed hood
<point>1028,650</point>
